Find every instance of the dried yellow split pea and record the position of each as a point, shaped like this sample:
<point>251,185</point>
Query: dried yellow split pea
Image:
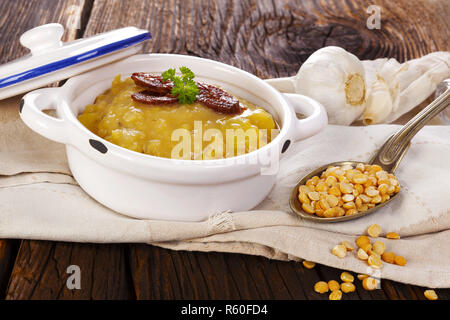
<point>347,277</point>
<point>362,255</point>
<point>392,235</point>
<point>399,260</point>
<point>374,261</point>
<point>374,230</point>
<point>309,264</point>
<point>430,295</point>
<point>370,283</point>
<point>379,247</point>
<point>335,295</point>
<point>321,287</point>
<point>362,240</point>
<point>333,285</point>
<point>339,250</point>
<point>347,287</point>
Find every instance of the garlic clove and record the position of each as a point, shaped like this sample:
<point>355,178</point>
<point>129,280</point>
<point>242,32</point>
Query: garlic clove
<point>379,103</point>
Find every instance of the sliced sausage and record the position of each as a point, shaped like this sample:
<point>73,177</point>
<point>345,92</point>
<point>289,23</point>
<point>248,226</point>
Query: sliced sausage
<point>149,97</point>
<point>217,99</point>
<point>152,83</point>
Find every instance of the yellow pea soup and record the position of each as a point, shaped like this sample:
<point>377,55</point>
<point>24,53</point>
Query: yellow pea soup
<point>186,131</point>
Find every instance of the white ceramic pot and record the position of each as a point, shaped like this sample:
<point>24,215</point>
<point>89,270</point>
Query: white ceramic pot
<point>149,187</point>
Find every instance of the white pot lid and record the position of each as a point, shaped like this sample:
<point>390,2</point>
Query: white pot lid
<point>52,60</point>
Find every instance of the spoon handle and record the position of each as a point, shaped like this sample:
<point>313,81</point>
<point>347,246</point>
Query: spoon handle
<point>392,151</point>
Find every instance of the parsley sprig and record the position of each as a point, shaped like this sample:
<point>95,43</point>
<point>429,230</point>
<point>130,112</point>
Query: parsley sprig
<point>184,87</point>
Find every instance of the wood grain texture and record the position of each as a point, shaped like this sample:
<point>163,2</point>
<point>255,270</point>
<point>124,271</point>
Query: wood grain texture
<point>19,16</point>
<point>40,271</point>
<point>267,38</point>
<point>273,38</point>
<point>8,252</point>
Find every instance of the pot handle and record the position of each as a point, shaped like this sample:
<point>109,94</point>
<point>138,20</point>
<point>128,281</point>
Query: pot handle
<point>30,110</point>
<point>316,116</point>
<point>286,84</point>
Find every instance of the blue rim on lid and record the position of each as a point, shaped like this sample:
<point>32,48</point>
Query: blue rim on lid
<point>64,63</point>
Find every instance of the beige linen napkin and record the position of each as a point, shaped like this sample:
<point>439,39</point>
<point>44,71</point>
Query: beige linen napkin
<point>40,200</point>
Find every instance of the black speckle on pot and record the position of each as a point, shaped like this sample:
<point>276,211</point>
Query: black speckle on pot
<point>97,145</point>
<point>285,146</point>
<point>21,105</point>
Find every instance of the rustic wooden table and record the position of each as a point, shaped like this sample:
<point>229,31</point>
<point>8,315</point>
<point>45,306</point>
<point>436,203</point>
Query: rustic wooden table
<point>266,38</point>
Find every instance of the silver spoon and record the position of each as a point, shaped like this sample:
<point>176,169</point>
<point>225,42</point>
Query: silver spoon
<point>388,157</point>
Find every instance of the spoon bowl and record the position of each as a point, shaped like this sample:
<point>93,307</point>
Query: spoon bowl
<point>388,157</point>
<point>296,205</point>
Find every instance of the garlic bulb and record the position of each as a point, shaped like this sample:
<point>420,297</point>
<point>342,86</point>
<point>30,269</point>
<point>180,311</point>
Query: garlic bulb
<point>335,78</point>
